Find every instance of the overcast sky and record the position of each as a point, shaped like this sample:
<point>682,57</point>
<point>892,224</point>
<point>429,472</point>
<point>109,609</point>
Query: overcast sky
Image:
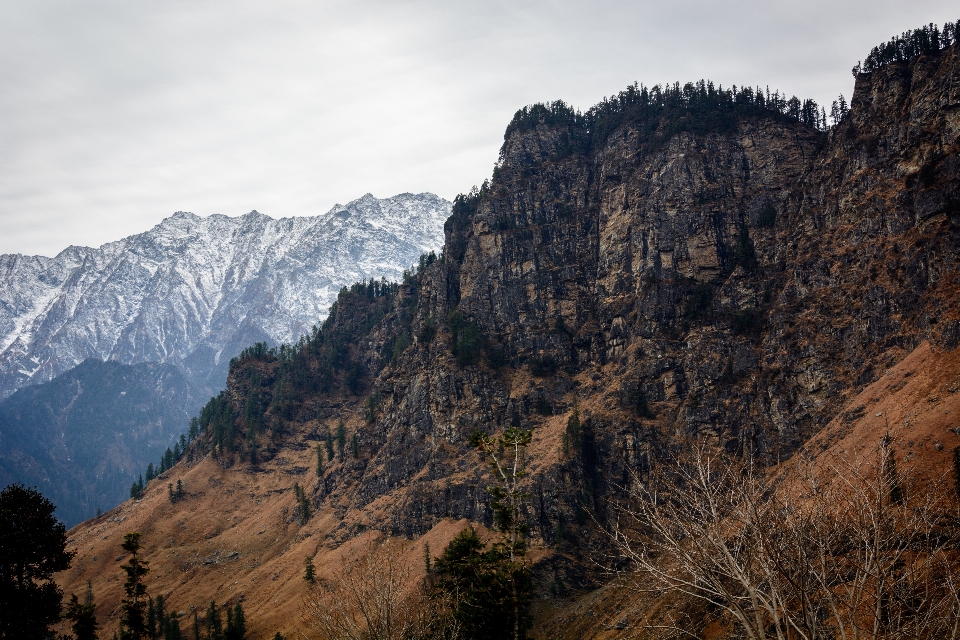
<point>113,115</point>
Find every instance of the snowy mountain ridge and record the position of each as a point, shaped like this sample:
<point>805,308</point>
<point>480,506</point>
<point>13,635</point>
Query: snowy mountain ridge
<point>193,291</point>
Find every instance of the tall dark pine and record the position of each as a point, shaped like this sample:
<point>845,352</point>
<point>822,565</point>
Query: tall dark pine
<point>83,617</point>
<point>133,608</point>
<point>32,548</point>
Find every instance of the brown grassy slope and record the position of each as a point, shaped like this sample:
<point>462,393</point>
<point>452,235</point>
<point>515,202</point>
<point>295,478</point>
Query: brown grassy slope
<point>234,537</point>
<point>917,401</point>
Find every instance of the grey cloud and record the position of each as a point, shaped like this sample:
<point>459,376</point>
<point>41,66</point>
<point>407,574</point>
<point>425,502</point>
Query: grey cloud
<point>115,114</point>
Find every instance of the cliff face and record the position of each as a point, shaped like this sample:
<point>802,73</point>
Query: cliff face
<point>739,285</point>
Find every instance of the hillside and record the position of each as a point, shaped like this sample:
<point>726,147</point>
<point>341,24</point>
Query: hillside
<point>674,265</point>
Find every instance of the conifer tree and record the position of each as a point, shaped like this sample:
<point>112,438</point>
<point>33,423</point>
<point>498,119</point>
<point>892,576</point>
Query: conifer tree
<point>133,623</point>
<point>83,617</point>
<point>329,445</point>
<point>308,573</point>
<point>341,439</point>
<point>32,549</point>
<point>319,460</point>
<point>214,623</point>
<point>236,624</point>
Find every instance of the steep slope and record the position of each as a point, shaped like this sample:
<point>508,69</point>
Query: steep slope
<point>194,291</point>
<point>691,266</point>
<point>83,437</point>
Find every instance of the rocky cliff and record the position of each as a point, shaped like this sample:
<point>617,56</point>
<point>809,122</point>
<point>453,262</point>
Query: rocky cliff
<point>737,278</point>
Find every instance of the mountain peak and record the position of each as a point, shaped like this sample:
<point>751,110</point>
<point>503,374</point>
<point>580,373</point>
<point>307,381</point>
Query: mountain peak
<point>223,282</point>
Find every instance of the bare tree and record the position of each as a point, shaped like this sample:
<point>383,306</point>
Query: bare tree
<point>845,548</point>
<point>375,597</point>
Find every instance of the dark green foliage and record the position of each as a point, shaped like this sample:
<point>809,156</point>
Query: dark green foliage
<point>83,618</point>
<point>658,113</point>
<point>455,228</point>
<point>303,504</point>
<point>748,322</point>
<point>572,439</point>
<point>426,259</point>
<point>466,339</point>
<point>214,623</point>
<point>175,495</point>
<point>161,624</point>
<point>481,583</point>
<point>637,401</point>
<point>236,624</point>
<point>319,459</point>
<point>428,330</point>
<point>341,438</point>
<point>133,607</point>
<point>910,44</point>
<point>744,253</point>
<point>543,366</point>
<point>136,489</point>
<point>278,636</point>
<point>402,344</point>
<point>370,410</point>
<point>698,304</point>
<point>308,571</point>
<point>217,418</point>
<point>329,444</point>
<point>32,549</point>
<point>543,406</point>
<point>355,445</point>
<point>768,215</point>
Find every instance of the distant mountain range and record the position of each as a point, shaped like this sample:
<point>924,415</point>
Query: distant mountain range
<point>155,319</point>
<point>194,291</point>
<point>84,436</point>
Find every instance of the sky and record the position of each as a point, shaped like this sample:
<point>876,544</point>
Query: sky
<point>115,114</point>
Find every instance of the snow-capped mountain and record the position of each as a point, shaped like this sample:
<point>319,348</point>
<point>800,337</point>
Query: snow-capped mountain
<point>194,291</point>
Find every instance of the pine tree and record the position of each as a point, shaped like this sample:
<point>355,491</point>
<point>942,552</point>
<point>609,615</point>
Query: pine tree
<point>308,571</point>
<point>329,445</point>
<point>196,626</point>
<point>341,439</point>
<point>237,630</point>
<point>303,504</point>
<point>133,623</point>
<point>84,619</point>
<point>214,623</point>
<point>151,620</point>
<point>355,445</point>
<point>319,459</point>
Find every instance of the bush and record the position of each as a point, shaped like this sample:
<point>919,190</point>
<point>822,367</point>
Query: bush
<point>543,366</point>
